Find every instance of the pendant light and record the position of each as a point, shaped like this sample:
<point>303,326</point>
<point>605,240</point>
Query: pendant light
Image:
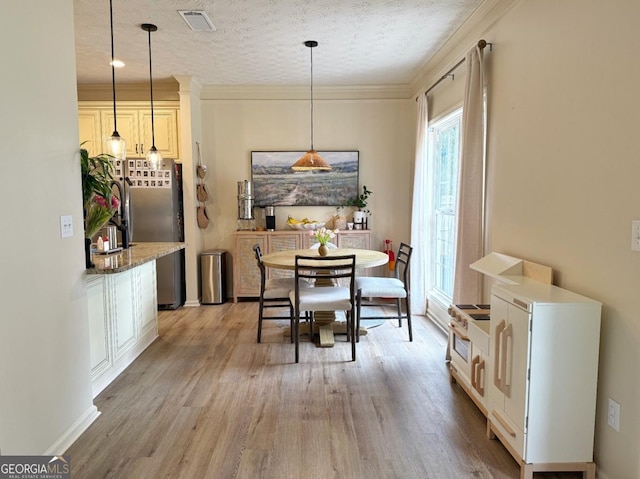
<point>311,160</point>
<point>116,145</point>
<point>153,155</point>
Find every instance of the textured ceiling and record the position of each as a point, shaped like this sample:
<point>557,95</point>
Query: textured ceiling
<point>260,42</point>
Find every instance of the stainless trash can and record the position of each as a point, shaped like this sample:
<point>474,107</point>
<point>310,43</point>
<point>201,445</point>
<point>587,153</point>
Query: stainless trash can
<point>213,271</point>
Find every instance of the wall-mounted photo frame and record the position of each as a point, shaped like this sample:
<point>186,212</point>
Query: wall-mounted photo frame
<point>276,184</point>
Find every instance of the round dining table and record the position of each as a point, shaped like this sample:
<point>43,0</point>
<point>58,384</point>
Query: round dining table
<point>326,321</point>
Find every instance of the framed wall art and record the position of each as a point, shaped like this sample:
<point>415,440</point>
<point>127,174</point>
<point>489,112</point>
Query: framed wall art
<point>276,184</point>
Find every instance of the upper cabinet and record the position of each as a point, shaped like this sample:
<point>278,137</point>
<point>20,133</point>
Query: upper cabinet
<point>134,125</point>
<point>90,131</point>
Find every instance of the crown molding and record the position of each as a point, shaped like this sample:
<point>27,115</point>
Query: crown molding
<point>300,92</point>
<point>478,24</point>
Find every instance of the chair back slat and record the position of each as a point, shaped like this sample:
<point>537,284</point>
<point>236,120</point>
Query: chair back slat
<point>403,259</point>
<point>327,268</point>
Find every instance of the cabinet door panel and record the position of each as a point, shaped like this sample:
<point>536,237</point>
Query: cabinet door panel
<point>515,403</point>
<point>123,304</point>
<point>246,275</point>
<point>146,282</point>
<point>90,131</point>
<point>166,131</point>
<point>98,326</point>
<point>499,312</point>
<point>127,128</point>
<point>283,242</point>
<point>354,240</point>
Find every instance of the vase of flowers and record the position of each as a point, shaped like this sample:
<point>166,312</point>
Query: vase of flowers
<point>323,235</point>
<point>99,203</point>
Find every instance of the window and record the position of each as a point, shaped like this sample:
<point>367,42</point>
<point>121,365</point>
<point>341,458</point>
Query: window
<point>444,158</point>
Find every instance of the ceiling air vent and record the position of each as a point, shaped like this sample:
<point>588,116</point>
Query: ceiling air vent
<point>197,20</point>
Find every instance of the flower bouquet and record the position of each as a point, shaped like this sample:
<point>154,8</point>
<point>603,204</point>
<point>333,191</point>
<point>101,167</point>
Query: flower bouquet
<point>323,235</point>
<point>98,201</point>
<point>98,212</point>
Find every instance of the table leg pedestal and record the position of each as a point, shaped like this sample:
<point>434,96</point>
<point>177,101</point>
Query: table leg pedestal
<point>325,327</point>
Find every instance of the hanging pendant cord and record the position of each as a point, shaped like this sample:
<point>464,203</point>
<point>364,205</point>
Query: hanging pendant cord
<point>153,136</point>
<point>311,97</point>
<point>113,69</point>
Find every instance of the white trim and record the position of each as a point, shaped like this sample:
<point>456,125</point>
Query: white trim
<point>298,92</point>
<point>192,304</point>
<point>70,436</point>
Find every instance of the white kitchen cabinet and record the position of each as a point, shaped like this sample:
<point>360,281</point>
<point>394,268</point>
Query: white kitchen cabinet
<point>121,286</point>
<point>90,131</point>
<point>99,326</point>
<point>544,344</point>
<point>134,125</point>
<point>123,320</point>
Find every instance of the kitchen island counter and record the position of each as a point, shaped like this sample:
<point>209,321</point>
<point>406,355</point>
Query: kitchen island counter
<point>130,258</point>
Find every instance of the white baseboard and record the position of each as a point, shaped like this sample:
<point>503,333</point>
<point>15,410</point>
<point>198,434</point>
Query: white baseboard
<point>70,436</point>
<point>192,304</point>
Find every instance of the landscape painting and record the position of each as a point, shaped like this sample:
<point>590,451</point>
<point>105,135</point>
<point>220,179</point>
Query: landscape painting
<point>276,184</point>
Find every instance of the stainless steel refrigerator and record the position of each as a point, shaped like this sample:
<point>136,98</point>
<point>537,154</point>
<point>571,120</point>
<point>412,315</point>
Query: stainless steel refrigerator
<point>157,215</point>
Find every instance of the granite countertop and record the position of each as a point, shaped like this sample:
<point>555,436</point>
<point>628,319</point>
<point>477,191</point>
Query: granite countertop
<point>136,255</point>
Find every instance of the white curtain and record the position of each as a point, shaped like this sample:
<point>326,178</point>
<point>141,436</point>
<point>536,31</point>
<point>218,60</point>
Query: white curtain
<point>422,200</point>
<point>467,287</point>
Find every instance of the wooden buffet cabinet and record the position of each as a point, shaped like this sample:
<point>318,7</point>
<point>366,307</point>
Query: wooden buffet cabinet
<point>246,276</point>
<point>529,360</point>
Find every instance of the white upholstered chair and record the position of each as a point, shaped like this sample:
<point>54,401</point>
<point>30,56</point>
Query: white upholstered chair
<point>327,269</point>
<point>379,289</point>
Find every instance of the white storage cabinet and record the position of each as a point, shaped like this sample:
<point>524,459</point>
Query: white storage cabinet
<point>544,344</point>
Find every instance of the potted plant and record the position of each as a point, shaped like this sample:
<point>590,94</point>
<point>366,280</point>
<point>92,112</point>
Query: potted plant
<point>99,203</point>
<point>360,202</point>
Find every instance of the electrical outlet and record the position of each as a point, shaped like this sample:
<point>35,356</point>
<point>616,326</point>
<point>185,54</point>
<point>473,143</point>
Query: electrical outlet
<point>635,235</point>
<point>66,226</point>
<point>613,415</point>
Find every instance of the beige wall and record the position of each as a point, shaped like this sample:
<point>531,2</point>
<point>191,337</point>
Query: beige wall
<point>45,389</point>
<point>382,130</point>
<point>564,110</point>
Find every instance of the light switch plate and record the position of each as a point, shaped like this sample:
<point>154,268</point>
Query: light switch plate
<point>613,414</point>
<point>635,235</point>
<point>66,226</point>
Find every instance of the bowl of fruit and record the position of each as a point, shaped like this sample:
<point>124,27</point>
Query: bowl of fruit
<point>304,224</point>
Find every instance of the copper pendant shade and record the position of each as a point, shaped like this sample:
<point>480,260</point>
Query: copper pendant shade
<point>311,160</point>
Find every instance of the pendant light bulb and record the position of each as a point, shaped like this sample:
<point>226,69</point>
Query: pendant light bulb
<point>116,146</point>
<point>154,157</point>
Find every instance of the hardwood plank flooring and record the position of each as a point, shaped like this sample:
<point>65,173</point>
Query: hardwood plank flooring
<point>206,401</point>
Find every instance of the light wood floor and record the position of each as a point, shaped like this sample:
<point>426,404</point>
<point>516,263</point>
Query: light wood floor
<point>206,401</point>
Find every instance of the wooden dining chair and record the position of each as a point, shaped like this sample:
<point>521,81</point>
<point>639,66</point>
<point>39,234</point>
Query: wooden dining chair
<point>328,270</point>
<point>378,290</point>
<point>274,293</point>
